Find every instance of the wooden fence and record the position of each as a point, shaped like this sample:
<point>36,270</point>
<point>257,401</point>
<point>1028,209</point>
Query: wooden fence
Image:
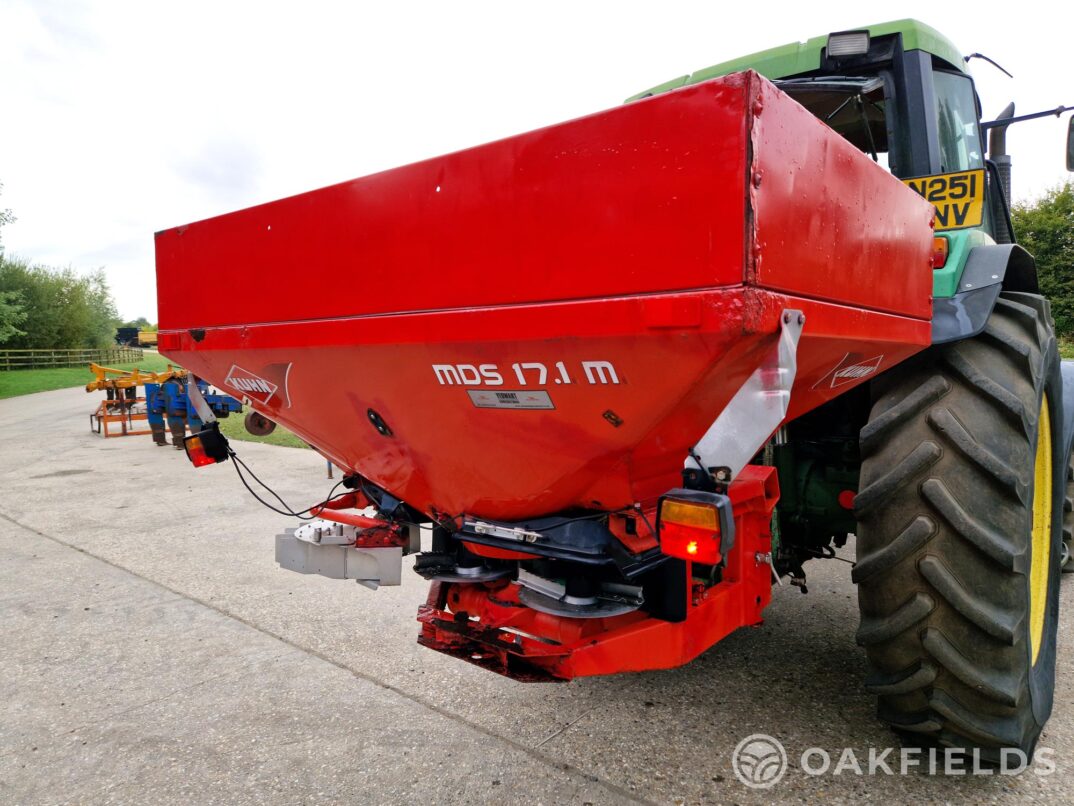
<point>40,359</point>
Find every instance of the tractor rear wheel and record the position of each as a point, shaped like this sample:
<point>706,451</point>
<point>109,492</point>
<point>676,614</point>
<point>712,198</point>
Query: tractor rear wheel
<point>960,513</point>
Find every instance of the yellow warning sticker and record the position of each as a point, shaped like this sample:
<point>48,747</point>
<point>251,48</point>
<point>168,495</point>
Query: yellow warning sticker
<point>958,197</point>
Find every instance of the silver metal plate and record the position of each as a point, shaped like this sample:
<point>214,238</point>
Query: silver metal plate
<point>484,574</point>
<point>758,407</point>
<point>550,596</point>
<point>521,399</point>
<point>602,608</point>
<point>370,566</point>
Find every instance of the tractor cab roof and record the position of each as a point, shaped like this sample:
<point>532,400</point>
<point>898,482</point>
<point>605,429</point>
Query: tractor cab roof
<point>799,58</point>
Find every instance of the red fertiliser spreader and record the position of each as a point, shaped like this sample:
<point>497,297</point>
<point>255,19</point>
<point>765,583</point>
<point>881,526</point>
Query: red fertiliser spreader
<point>569,359</point>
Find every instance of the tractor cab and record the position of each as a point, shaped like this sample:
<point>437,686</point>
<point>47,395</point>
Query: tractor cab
<point>906,79</point>
<point>900,92</point>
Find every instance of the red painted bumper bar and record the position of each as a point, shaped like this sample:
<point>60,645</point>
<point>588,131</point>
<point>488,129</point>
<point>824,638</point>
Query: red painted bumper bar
<point>486,624</point>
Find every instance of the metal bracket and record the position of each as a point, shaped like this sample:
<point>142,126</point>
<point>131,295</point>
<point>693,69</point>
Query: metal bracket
<point>327,549</point>
<point>197,400</point>
<point>758,407</point>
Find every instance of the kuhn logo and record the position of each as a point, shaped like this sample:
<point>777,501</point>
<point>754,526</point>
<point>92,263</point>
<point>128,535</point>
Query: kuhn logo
<point>853,373</point>
<point>251,385</point>
<point>850,370</point>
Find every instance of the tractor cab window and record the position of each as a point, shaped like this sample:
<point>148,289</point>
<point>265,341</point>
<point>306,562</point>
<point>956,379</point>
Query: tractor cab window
<point>853,106</point>
<point>956,122</point>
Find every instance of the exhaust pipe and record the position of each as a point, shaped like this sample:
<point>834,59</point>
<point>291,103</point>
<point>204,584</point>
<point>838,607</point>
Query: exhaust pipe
<point>997,149</point>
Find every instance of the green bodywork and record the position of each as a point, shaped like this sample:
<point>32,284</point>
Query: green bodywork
<point>960,242</point>
<point>811,477</point>
<point>803,57</point>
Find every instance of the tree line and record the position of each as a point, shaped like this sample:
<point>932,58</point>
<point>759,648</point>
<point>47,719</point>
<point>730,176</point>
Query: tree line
<point>46,308</point>
<point>1045,227</point>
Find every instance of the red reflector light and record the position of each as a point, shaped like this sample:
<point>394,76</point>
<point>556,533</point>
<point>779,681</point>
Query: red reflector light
<point>207,447</point>
<point>690,530</point>
<point>196,452</point>
<point>939,252</point>
<point>167,341</point>
<point>690,543</point>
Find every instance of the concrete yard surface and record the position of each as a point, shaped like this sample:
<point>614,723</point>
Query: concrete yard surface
<point>152,652</point>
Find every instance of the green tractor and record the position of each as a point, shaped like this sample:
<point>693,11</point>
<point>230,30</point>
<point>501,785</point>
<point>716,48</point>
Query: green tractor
<point>960,457</point>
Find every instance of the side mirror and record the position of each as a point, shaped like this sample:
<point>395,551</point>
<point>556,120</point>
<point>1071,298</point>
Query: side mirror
<point>1070,144</point>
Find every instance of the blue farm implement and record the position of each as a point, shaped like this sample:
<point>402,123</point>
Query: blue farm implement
<point>165,407</point>
<point>168,404</point>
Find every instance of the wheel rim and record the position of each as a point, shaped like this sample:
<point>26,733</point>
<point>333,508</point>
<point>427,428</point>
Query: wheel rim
<point>1042,530</point>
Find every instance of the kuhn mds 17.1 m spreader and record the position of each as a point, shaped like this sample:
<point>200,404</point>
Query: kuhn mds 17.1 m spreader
<point>628,371</point>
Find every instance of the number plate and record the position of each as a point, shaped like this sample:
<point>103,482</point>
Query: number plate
<point>958,197</point>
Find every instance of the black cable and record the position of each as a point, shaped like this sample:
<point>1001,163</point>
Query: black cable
<point>645,518</point>
<point>239,462</point>
<point>301,514</point>
<point>287,510</point>
<point>257,497</point>
<point>701,465</point>
<point>590,517</point>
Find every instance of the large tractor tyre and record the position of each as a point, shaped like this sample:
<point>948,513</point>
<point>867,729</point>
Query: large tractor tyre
<point>960,514</point>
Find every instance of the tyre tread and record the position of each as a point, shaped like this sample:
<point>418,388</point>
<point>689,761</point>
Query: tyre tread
<point>941,572</point>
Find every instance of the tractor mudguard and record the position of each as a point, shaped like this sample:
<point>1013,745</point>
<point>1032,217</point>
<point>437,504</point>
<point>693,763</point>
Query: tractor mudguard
<point>1067,369</point>
<point>989,270</point>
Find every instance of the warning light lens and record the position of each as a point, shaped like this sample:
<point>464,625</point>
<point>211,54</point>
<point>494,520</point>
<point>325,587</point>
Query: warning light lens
<point>690,531</point>
<point>688,513</point>
<point>207,447</point>
<point>196,452</point>
<point>939,252</point>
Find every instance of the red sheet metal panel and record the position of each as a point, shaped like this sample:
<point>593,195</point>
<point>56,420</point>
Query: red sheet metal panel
<point>640,198</point>
<point>829,222</point>
<point>529,366</point>
<point>604,441</point>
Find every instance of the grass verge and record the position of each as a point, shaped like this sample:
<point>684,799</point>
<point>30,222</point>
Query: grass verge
<point>17,382</point>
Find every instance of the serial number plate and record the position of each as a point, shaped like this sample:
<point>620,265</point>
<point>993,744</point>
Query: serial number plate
<point>510,400</point>
<point>958,197</point>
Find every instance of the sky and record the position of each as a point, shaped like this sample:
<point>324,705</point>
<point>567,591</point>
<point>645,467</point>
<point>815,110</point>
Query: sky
<point>123,118</point>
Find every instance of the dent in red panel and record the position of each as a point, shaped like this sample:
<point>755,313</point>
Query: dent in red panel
<point>829,222</point>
